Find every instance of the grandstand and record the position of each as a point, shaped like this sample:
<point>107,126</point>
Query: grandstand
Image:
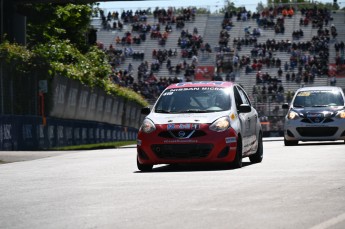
<point>209,27</point>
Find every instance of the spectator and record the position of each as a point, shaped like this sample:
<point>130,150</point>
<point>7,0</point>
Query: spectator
<point>333,81</point>
<point>280,72</point>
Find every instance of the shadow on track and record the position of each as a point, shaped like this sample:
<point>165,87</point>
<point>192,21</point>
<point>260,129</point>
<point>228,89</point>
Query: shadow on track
<point>301,143</point>
<point>193,167</point>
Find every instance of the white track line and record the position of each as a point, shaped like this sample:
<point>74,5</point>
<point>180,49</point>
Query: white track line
<point>330,222</point>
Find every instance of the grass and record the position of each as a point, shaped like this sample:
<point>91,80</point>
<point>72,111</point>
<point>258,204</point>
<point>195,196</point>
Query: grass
<point>104,145</point>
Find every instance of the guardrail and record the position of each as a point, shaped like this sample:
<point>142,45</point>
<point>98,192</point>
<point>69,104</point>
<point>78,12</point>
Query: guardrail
<point>32,133</point>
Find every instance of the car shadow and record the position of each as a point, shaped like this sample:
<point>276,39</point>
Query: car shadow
<point>321,143</point>
<point>193,168</point>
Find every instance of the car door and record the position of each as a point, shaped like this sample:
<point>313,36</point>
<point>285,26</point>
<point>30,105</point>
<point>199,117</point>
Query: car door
<point>243,119</point>
<point>249,120</point>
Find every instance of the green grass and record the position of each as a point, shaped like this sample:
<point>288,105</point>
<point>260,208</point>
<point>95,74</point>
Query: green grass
<point>104,145</point>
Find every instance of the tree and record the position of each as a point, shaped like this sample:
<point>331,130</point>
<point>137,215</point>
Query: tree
<point>57,21</point>
<point>260,7</point>
<point>229,7</point>
<point>58,44</point>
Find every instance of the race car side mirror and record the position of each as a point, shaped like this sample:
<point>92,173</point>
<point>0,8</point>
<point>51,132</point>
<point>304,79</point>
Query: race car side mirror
<point>244,108</point>
<point>145,110</point>
<point>285,106</point>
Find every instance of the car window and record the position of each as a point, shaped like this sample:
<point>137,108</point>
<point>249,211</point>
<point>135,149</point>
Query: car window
<point>243,95</point>
<point>240,97</point>
<point>194,99</point>
<point>318,98</point>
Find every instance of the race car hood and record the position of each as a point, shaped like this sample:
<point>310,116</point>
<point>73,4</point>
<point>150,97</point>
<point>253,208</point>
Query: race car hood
<point>159,118</point>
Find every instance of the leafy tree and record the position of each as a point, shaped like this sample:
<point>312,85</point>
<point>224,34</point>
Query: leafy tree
<point>229,7</point>
<point>52,21</point>
<point>260,7</point>
<point>57,44</point>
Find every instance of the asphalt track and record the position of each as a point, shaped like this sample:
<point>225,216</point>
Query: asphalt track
<point>299,187</point>
<point>16,156</point>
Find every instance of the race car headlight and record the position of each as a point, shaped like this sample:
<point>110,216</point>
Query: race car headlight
<point>292,115</point>
<point>341,114</point>
<point>147,126</point>
<point>220,124</point>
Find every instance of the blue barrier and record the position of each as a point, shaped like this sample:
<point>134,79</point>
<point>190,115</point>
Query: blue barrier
<point>29,133</point>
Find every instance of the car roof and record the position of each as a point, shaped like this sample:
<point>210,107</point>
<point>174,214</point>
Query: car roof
<point>202,84</point>
<point>320,88</point>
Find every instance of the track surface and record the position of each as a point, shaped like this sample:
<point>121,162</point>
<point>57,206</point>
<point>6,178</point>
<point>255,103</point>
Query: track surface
<point>294,187</point>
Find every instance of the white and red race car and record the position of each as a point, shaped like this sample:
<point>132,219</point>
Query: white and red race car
<point>198,122</point>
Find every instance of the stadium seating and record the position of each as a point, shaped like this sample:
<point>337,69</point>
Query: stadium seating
<point>209,27</point>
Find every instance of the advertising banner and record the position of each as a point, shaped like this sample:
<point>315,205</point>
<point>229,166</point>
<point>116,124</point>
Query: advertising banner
<point>204,73</point>
<point>337,71</point>
<point>28,133</point>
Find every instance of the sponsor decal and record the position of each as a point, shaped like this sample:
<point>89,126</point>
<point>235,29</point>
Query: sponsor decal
<point>171,126</point>
<point>314,115</point>
<point>170,92</point>
<point>304,93</point>
<point>180,141</point>
<point>195,126</point>
<point>167,93</point>
<point>250,141</point>
<point>230,140</point>
<point>212,88</point>
<point>201,82</point>
<point>186,89</point>
<point>183,126</point>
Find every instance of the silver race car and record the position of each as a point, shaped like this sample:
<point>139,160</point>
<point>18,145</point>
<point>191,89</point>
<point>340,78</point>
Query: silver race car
<point>315,114</point>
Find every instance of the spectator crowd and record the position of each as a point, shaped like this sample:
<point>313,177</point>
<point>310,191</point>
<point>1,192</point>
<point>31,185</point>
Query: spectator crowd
<point>307,59</point>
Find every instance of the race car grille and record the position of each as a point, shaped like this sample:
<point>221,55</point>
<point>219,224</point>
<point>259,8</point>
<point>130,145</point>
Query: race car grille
<point>316,131</point>
<point>182,151</point>
<point>177,134</point>
<point>309,120</point>
<point>328,120</point>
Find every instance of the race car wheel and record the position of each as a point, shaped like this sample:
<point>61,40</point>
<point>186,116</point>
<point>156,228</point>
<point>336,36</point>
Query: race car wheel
<point>143,167</point>
<point>290,143</point>
<point>237,162</point>
<point>257,157</point>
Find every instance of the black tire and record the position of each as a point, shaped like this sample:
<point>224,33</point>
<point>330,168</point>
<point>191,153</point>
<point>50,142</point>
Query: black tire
<point>290,143</point>
<point>258,156</point>
<point>143,167</point>
<point>237,162</point>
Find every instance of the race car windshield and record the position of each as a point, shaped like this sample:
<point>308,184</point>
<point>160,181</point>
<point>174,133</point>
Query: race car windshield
<point>318,99</point>
<point>193,100</point>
